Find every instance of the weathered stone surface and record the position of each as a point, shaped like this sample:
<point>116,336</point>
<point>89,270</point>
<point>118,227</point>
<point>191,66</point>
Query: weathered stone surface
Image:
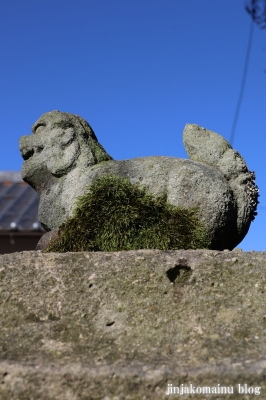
<point>63,157</point>
<point>46,239</point>
<point>124,325</point>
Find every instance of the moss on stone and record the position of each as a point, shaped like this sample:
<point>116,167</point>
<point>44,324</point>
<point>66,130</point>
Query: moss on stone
<point>115,215</point>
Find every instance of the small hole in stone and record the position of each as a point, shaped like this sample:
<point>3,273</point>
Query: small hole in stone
<point>110,323</point>
<point>52,317</point>
<point>179,273</point>
<point>90,285</point>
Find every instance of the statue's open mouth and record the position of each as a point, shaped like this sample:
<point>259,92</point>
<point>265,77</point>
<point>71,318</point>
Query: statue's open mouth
<point>28,153</point>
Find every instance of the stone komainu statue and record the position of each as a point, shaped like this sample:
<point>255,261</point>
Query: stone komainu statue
<point>63,157</point>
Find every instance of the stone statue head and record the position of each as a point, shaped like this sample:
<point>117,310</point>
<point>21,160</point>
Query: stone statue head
<point>60,141</point>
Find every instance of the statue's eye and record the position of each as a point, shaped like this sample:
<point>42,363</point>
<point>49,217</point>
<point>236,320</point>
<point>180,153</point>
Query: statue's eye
<point>39,126</point>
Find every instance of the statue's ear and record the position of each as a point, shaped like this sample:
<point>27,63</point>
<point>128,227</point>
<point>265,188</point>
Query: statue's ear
<point>62,153</point>
<point>87,156</point>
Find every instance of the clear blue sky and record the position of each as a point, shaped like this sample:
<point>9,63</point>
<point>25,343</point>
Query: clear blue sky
<point>137,71</point>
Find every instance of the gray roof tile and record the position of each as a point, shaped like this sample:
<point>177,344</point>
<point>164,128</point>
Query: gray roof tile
<point>18,204</point>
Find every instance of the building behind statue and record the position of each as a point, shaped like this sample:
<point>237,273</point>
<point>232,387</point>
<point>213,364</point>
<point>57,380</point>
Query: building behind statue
<point>19,226</point>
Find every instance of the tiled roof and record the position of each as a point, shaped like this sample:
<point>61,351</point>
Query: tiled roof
<point>18,204</point>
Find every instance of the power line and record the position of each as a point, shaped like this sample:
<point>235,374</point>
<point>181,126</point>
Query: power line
<point>243,83</point>
<point>257,10</point>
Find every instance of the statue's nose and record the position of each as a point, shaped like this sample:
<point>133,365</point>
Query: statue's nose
<point>28,145</point>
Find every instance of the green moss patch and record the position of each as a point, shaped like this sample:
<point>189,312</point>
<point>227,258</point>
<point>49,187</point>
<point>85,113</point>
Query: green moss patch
<point>115,215</point>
